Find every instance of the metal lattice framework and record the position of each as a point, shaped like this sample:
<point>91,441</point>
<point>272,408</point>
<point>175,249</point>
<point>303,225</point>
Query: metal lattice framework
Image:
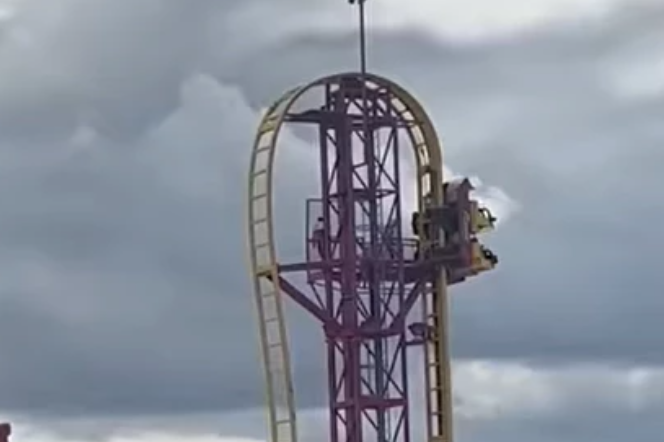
<point>270,286</point>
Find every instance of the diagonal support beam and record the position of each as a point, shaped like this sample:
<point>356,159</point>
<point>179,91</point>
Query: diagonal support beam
<point>408,304</point>
<point>304,301</point>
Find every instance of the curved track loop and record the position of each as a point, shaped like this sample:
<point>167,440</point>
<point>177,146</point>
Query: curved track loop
<point>264,264</point>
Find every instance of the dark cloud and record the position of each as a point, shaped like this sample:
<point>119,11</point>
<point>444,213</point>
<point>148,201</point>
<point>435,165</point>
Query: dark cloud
<point>124,287</point>
<point>543,118</point>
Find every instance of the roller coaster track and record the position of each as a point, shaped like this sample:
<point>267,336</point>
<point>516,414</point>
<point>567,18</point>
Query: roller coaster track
<point>265,275</point>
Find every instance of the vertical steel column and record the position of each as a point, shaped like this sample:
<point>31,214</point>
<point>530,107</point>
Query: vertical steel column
<point>367,362</point>
<point>348,257</point>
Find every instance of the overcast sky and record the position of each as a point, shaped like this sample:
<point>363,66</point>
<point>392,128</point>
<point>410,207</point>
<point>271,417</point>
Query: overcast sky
<point>125,131</point>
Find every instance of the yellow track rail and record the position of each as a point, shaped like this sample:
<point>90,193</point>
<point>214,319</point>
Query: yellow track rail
<point>264,271</point>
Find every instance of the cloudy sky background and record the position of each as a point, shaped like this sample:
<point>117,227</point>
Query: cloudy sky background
<point>125,129</point>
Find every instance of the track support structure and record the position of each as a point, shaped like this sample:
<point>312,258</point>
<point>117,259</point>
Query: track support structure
<point>376,288</point>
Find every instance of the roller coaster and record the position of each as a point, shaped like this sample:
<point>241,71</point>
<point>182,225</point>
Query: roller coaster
<point>367,275</point>
<point>376,281</point>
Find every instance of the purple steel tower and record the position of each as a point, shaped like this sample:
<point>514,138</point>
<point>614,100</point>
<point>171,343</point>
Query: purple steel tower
<point>356,257</point>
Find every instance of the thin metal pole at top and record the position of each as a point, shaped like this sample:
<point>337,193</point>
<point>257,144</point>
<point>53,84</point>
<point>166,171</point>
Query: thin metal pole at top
<point>363,35</point>
<point>363,40</point>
